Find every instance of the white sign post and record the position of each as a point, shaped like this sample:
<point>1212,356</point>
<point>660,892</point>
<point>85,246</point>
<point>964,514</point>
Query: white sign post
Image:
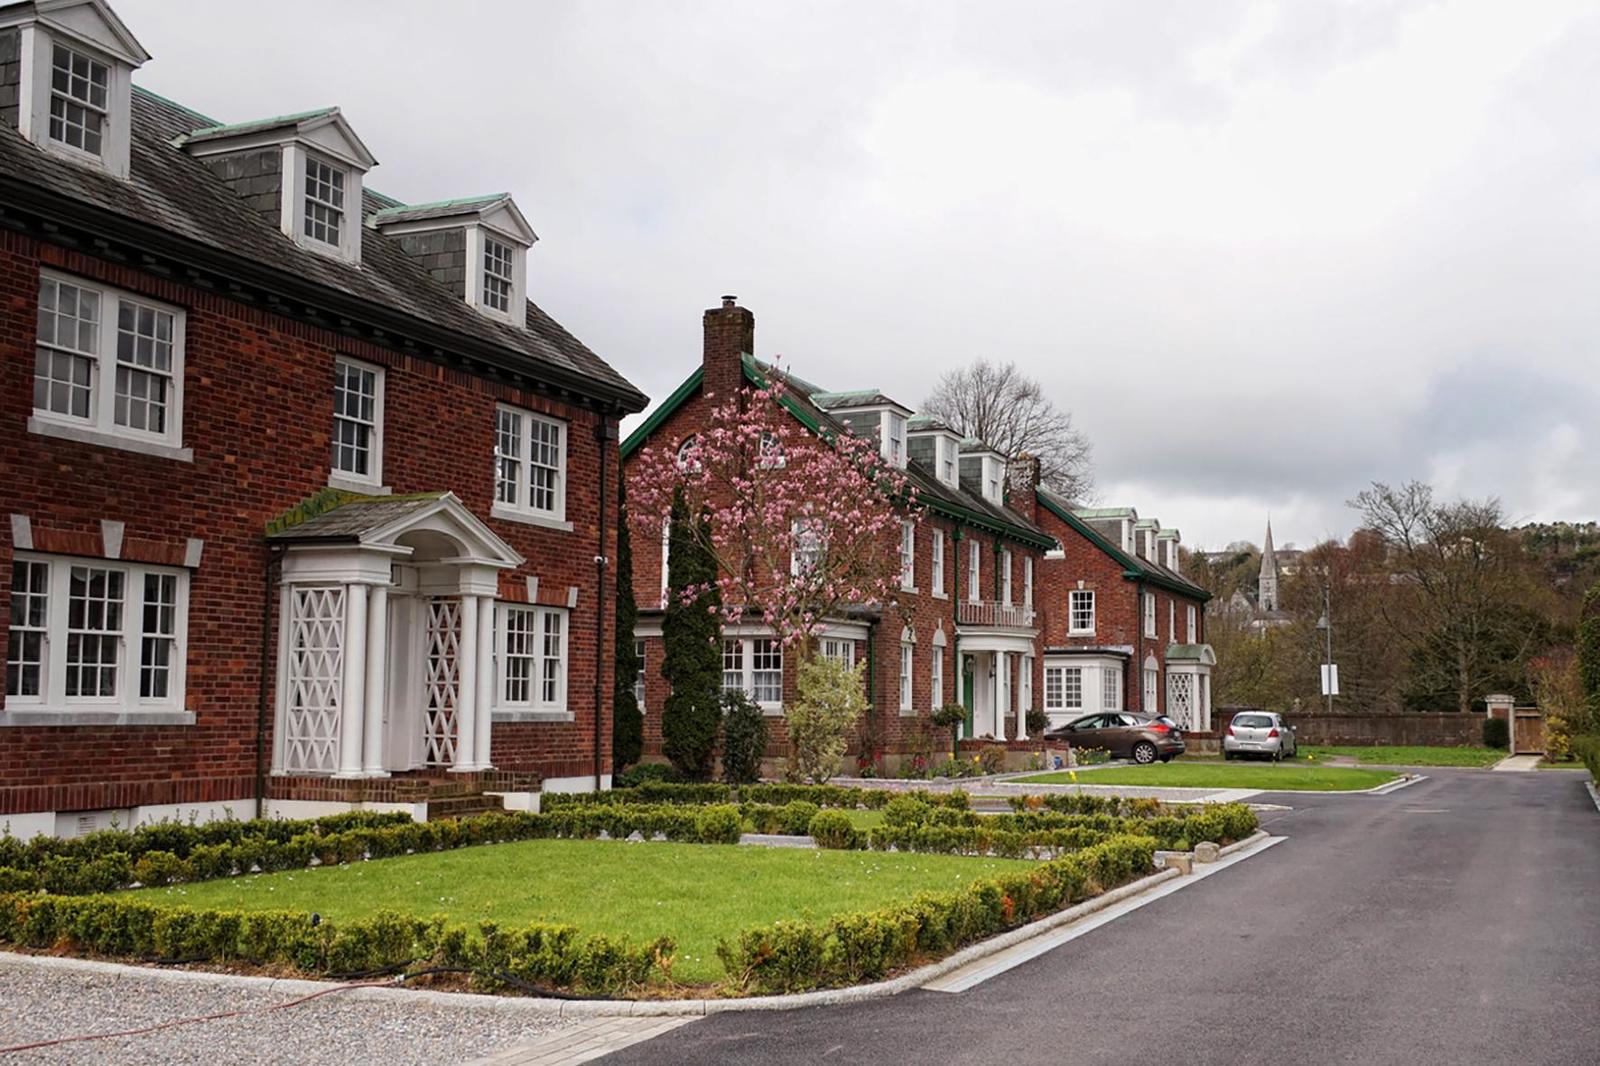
<point>1330,679</point>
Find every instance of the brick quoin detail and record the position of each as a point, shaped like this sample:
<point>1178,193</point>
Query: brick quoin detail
<point>258,410</point>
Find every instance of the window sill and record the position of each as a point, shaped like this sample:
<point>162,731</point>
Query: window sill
<point>530,716</point>
<point>507,514</point>
<point>909,588</point>
<point>346,483</point>
<point>76,717</point>
<point>1080,632</point>
<point>45,427</point>
<point>939,595</point>
<point>771,710</point>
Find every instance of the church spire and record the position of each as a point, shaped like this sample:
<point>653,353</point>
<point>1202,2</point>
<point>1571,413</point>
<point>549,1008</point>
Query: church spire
<point>1267,586</point>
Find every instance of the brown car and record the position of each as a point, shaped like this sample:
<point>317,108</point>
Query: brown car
<point>1144,738</point>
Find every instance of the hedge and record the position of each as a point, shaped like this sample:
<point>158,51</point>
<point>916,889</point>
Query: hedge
<point>546,955</point>
<point>260,852</point>
<point>1587,748</point>
<point>1068,803</point>
<point>796,956</point>
<point>847,796</point>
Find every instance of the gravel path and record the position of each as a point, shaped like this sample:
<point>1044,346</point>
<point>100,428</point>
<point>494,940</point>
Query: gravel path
<point>335,1029</point>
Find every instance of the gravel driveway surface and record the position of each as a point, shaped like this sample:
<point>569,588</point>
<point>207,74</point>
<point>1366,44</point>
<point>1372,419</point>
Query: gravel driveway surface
<point>334,1029</point>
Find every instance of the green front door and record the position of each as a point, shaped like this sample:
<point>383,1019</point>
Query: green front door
<point>966,691</point>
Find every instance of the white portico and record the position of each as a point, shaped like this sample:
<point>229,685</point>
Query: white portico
<point>386,638</point>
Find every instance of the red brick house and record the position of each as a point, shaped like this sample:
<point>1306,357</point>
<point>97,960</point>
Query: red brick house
<point>1121,628</point>
<point>306,506</point>
<point>966,628</point>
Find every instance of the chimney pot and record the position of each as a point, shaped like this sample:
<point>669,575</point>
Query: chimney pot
<point>729,301</point>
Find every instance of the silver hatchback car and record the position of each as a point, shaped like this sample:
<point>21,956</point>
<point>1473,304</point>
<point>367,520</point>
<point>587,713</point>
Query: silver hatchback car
<point>1261,733</point>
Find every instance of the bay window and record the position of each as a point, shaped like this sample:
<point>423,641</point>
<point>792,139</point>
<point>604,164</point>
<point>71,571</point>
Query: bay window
<point>1111,688</point>
<point>1063,688</point>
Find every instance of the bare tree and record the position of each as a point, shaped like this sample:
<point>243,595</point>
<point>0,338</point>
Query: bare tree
<point>1459,575</point>
<point>1009,411</point>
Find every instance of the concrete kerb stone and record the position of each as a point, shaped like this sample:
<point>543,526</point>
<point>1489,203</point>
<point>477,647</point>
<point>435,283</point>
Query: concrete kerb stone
<point>1593,794</point>
<point>591,1008</point>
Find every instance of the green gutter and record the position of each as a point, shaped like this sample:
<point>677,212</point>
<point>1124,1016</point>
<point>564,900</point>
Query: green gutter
<point>1130,566</point>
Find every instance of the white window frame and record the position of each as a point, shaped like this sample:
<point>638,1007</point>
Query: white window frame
<point>497,277</point>
<point>1027,581</point>
<point>1075,597</point>
<point>86,103</point>
<point>639,686</point>
<point>908,555</point>
<point>1152,690</point>
<point>937,671</point>
<point>807,545</point>
<point>1111,688</point>
<point>373,479</point>
<point>908,658</point>
<point>477,250</point>
<point>537,704</point>
<point>894,438</point>
<point>1005,576</point>
<point>1150,615</point>
<point>292,207</point>
<point>747,669</point>
<point>839,649</point>
<point>35,91</point>
<point>949,462</point>
<point>1063,688</point>
<point>100,425</point>
<point>1193,624</point>
<point>974,572</point>
<point>937,563</point>
<point>1025,685</point>
<point>520,507</point>
<point>1172,621</point>
<point>51,705</point>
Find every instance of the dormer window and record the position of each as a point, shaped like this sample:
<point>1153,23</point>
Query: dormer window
<point>947,462</point>
<point>324,202</point>
<point>66,80</point>
<point>499,275</point>
<point>79,97</point>
<point>894,438</point>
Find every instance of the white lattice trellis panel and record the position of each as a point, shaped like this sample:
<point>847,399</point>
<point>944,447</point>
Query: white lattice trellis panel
<point>443,681</point>
<point>315,680</point>
<point>1180,699</point>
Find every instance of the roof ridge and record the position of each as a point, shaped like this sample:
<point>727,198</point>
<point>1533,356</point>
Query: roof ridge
<point>270,120</point>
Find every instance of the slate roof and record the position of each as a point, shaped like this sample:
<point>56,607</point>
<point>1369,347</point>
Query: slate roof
<point>858,398</point>
<point>169,190</point>
<point>350,517</point>
<point>930,490</point>
<point>1134,565</point>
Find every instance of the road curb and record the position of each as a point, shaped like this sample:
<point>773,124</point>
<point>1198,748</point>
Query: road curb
<point>1593,794</point>
<point>590,1008</point>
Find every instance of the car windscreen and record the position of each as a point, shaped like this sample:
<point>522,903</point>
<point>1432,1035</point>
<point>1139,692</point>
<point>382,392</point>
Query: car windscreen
<point>1252,721</point>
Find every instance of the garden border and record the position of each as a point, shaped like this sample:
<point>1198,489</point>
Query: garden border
<point>588,1008</point>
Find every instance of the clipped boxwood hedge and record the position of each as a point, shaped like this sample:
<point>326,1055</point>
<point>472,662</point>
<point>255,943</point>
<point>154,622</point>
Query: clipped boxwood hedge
<point>779,795</point>
<point>545,955</point>
<point>797,956</point>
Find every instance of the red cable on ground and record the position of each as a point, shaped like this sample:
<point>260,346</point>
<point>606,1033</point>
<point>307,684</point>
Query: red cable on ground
<point>191,1021</point>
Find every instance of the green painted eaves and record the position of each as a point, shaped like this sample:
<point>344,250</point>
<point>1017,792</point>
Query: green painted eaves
<point>261,123</point>
<point>1132,568</point>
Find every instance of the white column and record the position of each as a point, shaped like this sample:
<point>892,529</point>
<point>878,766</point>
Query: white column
<point>485,680</point>
<point>377,688</point>
<point>352,701</point>
<point>1002,693</point>
<point>467,687</point>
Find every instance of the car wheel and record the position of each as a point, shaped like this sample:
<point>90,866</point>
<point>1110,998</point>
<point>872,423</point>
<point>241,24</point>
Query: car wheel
<point>1144,753</point>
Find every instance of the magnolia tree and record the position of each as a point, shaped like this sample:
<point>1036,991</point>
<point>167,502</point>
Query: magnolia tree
<point>799,527</point>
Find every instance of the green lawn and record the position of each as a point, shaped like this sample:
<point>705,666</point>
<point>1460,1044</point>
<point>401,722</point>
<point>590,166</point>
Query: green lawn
<point>1288,777</point>
<point>1545,764</point>
<point>1411,755</point>
<point>694,893</point>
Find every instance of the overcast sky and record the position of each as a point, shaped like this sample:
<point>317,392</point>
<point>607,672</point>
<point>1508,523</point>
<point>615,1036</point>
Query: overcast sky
<point>1264,253</point>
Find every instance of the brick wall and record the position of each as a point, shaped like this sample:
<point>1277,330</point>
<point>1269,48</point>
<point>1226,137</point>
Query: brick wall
<point>257,413</point>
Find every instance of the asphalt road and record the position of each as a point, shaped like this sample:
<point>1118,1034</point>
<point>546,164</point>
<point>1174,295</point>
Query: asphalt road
<point>1454,921</point>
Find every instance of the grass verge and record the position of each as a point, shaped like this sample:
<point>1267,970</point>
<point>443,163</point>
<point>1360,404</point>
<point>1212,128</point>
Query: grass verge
<point>1282,778</point>
<point>1409,755</point>
<point>696,894</point>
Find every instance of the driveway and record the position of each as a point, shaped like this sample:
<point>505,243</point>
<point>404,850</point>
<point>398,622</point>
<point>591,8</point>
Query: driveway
<point>1452,921</point>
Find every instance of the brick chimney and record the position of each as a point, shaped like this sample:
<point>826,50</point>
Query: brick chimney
<point>1022,478</point>
<point>730,332</point>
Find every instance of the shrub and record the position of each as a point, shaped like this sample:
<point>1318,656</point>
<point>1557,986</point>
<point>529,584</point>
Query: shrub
<point>692,643</point>
<point>833,829</point>
<point>627,723</point>
<point>634,776</point>
<point>1038,722</point>
<point>1496,733</point>
<point>744,739</point>
<point>1587,748</point>
<point>797,816</point>
<point>719,825</point>
<point>992,758</point>
<point>829,700</point>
